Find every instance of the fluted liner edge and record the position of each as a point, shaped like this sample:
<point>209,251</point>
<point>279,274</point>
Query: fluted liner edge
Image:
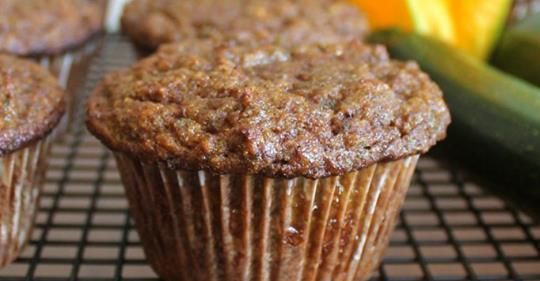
<point>200,226</point>
<point>70,69</point>
<point>22,173</point>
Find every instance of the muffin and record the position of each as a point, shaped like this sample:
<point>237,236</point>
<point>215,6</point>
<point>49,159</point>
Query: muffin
<point>267,163</point>
<point>33,104</point>
<point>150,23</point>
<point>55,33</point>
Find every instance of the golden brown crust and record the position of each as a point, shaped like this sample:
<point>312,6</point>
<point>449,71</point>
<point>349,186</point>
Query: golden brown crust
<point>31,100</point>
<point>30,27</point>
<point>313,111</point>
<point>151,23</point>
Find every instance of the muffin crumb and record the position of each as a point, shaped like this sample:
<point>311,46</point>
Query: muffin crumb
<point>314,110</point>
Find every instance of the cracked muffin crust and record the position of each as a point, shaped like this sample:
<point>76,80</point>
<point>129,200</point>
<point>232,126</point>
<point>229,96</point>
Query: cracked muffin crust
<point>288,22</point>
<point>32,103</point>
<point>36,27</point>
<point>313,111</point>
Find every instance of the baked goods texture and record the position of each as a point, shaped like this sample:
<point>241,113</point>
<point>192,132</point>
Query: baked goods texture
<point>37,27</point>
<point>32,103</point>
<point>151,23</point>
<point>315,110</point>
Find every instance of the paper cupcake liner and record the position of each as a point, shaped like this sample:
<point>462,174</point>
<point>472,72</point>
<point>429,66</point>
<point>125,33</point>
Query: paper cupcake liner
<point>22,173</point>
<point>196,225</point>
<point>70,68</point>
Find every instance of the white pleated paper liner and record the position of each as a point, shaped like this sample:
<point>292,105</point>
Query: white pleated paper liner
<point>201,226</point>
<point>70,68</point>
<point>22,174</point>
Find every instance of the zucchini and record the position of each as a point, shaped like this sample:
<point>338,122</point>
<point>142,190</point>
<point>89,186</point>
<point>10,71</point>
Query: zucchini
<point>495,117</point>
<point>519,50</point>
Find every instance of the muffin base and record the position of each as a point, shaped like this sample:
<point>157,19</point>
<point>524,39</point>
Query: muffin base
<point>196,225</point>
<point>22,173</point>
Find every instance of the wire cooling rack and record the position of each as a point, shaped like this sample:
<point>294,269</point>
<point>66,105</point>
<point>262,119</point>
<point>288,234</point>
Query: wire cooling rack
<point>449,229</point>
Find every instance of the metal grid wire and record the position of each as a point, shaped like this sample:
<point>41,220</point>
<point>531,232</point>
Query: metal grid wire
<point>449,229</point>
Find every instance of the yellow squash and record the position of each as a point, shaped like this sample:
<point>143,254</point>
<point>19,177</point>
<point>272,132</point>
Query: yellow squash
<point>470,25</point>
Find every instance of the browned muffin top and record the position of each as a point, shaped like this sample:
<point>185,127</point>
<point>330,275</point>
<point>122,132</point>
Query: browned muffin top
<point>29,27</point>
<point>313,111</point>
<point>153,22</point>
<point>32,103</point>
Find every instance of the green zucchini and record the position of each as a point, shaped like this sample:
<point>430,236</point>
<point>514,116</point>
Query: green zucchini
<point>495,117</point>
<point>519,50</point>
